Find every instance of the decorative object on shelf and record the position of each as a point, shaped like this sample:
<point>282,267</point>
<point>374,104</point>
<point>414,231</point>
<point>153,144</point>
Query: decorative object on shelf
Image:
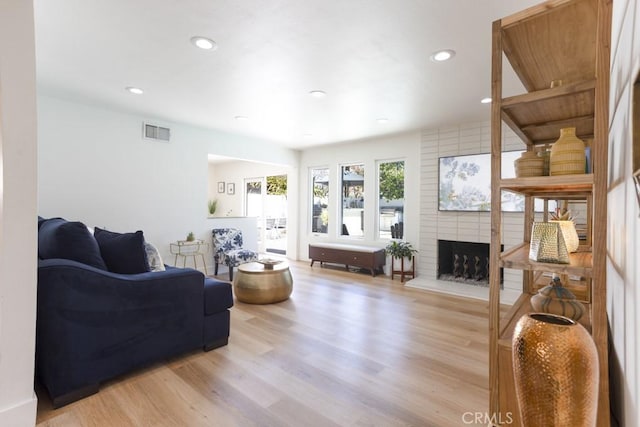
<point>568,228</point>
<point>555,83</point>
<point>529,164</point>
<point>401,250</point>
<point>547,243</point>
<point>221,187</point>
<point>465,267</point>
<point>545,154</point>
<point>212,205</point>
<point>555,367</point>
<point>268,263</point>
<point>190,237</point>
<point>556,299</point>
<point>567,154</point>
<point>231,188</point>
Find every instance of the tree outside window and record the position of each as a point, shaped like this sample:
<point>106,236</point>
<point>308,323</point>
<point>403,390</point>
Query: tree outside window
<point>391,200</point>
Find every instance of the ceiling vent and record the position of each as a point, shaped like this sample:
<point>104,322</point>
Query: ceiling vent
<point>156,132</point>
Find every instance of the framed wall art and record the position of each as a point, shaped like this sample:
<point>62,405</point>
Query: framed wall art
<point>221,187</point>
<point>231,188</point>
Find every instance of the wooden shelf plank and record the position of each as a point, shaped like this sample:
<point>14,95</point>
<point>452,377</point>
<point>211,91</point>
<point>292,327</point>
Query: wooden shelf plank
<point>554,187</point>
<point>540,115</point>
<point>521,307</point>
<point>539,55</point>
<point>580,263</point>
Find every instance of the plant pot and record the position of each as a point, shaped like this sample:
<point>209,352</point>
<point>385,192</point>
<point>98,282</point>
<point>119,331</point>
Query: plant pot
<point>407,267</point>
<point>555,367</point>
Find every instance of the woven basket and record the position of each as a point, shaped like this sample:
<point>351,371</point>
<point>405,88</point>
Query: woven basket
<point>567,154</point>
<point>529,164</point>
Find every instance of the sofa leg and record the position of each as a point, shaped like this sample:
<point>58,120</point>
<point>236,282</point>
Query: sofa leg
<point>74,395</point>
<point>215,268</point>
<point>215,344</point>
<point>231,273</point>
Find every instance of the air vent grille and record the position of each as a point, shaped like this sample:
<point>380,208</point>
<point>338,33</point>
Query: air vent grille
<point>156,132</point>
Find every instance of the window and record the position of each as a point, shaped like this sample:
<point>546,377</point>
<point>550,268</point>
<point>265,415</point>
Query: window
<point>391,200</point>
<point>352,200</point>
<point>320,200</point>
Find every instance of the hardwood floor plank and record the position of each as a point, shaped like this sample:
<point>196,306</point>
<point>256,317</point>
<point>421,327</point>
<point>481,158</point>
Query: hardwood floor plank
<point>346,349</point>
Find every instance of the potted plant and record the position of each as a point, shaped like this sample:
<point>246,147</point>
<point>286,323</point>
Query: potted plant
<point>401,250</point>
<point>191,237</point>
<point>213,204</point>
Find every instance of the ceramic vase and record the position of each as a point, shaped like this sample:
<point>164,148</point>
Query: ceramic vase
<point>556,299</point>
<point>555,367</point>
<point>567,154</point>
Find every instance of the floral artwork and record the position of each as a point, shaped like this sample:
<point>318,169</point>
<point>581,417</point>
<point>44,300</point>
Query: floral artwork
<point>465,183</point>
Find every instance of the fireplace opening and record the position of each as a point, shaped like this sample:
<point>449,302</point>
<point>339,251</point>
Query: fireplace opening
<point>465,262</point>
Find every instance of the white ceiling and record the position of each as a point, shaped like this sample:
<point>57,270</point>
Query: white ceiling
<point>371,57</point>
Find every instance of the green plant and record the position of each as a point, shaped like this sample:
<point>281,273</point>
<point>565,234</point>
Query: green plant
<point>213,204</point>
<point>191,237</point>
<point>400,249</point>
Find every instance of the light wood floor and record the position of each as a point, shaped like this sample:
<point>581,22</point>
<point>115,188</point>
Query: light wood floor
<point>346,350</point>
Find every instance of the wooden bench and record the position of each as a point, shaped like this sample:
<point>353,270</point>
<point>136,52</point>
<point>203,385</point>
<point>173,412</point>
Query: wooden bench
<point>368,257</point>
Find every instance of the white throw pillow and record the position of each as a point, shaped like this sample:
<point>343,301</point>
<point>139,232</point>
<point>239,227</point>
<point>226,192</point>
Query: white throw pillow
<point>154,258</point>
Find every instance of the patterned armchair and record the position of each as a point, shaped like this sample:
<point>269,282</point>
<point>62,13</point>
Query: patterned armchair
<point>227,249</point>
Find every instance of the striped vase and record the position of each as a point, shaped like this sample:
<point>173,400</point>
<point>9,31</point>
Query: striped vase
<point>567,154</point>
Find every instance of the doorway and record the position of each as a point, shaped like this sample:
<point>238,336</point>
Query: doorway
<point>266,199</point>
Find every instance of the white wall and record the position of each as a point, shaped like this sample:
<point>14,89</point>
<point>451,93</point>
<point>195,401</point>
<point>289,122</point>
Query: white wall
<point>623,228</point>
<point>18,251</point>
<point>404,146</point>
<point>95,167</point>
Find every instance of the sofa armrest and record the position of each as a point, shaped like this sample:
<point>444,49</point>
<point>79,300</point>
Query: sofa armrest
<point>93,325</point>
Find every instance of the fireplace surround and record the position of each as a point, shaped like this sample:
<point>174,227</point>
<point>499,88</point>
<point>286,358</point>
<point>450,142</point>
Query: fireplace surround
<point>464,262</point>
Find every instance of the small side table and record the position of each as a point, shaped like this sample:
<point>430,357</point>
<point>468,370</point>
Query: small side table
<point>402,271</point>
<point>193,249</point>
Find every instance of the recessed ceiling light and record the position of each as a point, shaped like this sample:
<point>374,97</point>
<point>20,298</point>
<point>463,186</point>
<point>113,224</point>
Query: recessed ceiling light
<point>204,43</point>
<point>318,93</point>
<point>307,135</point>
<point>486,100</point>
<point>382,120</point>
<point>241,118</point>
<point>134,90</point>
<point>443,55</point>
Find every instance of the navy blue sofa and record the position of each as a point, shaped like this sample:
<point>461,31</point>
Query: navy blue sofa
<point>94,324</point>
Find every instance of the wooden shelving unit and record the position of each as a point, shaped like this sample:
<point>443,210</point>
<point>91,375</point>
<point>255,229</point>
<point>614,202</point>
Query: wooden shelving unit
<point>567,41</point>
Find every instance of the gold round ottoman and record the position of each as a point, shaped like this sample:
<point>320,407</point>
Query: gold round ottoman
<point>256,283</point>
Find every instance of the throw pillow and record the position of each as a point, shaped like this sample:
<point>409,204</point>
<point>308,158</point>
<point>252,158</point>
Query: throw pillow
<point>153,257</point>
<point>123,253</point>
<point>58,238</point>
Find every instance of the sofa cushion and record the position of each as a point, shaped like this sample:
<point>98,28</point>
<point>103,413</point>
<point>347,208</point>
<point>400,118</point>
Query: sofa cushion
<point>217,296</point>
<point>58,238</point>
<point>123,253</point>
<point>153,257</point>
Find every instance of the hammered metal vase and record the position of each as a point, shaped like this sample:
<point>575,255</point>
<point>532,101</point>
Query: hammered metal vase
<point>555,367</point>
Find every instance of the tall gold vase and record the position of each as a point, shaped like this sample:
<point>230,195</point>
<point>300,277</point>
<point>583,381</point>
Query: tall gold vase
<point>555,367</point>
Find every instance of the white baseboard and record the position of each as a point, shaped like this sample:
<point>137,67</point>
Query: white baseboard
<point>22,414</point>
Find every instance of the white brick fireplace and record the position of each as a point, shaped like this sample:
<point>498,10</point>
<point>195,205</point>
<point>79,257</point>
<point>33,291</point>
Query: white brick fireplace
<point>472,138</point>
